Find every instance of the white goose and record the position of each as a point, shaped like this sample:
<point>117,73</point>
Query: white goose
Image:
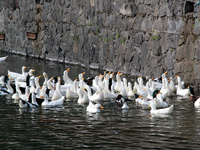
<point>29,104</point>
<point>197,103</point>
<point>66,78</point>
<point>82,98</point>
<point>46,102</point>
<point>23,76</point>
<point>180,91</point>
<point>144,103</point>
<point>93,108</point>
<point>172,85</point>
<point>168,110</point>
<point>97,96</point>
<point>14,75</point>
<point>57,93</point>
<point>3,58</point>
<point>118,82</point>
<point>158,101</point>
<point>71,94</point>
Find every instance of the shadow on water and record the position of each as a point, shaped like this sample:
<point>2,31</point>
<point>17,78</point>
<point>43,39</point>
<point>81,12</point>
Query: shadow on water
<point>71,127</point>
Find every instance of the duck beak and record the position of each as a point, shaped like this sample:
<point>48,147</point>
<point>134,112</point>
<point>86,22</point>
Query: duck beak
<point>68,69</point>
<point>39,76</point>
<point>41,96</point>
<point>140,96</point>
<point>83,73</point>
<point>166,72</point>
<point>101,107</point>
<point>149,106</point>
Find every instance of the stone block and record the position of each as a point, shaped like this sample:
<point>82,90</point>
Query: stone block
<point>141,9</point>
<point>122,49</point>
<point>180,54</point>
<point>138,39</point>
<point>162,10</point>
<point>172,41</point>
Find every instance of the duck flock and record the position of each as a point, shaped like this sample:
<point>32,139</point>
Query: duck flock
<point>26,88</point>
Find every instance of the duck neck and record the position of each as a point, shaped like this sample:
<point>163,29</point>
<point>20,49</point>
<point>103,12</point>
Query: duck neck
<point>10,89</point>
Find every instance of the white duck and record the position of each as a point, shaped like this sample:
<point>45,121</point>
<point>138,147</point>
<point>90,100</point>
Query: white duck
<point>180,91</point>
<point>3,58</point>
<point>159,103</point>
<point>66,78</point>
<point>197,103</point>
<point>168,110</point>
<point>14,75</point>
<point>145,103</point>
<point>82,98</point>
<point>93,108</point>
<point>26,95</point>
<point>97,96</point>
<point>172,85</point>
<point>57,93</point>
<point>52,103</point>
<point>22,77</point>
<point>118,82</point>
<point>30,104</point>
<point>71,94</point>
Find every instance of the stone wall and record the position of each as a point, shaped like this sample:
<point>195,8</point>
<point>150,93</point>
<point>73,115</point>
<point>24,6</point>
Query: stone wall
<point>137,37</point>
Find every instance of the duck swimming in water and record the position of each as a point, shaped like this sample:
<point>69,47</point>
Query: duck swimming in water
<point>120,102</point>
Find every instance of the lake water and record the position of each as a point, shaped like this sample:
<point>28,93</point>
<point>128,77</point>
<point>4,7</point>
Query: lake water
<point>71,127</point>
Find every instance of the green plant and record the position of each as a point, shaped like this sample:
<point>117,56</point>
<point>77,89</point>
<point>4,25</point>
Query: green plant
<point>60,13</point>
<point>172,49</point>
<point>98,29</point>
<point>100,37</point>
<point>198,20</point>
<point>106,40</point>
<point>79,19</point>
<point>72,35</point>
<point>122,40</point>
<point>112,38</point>
<point>98,12</point>
<point>118,35</point>
<point>90,24</point>
<point>155,37</point>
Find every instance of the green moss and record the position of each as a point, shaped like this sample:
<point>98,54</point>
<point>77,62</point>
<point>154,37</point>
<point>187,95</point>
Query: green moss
<point>100,37</point>
<point>90,24</point>
<point>112,38</point>
<point>118,35</point>
<point>122,40</point>
<point>155,37</point>
<point>106,40</point>
<point>98,29</point>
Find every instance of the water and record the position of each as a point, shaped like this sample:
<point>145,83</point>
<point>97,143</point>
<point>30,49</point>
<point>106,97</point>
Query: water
<point>70,127</point>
